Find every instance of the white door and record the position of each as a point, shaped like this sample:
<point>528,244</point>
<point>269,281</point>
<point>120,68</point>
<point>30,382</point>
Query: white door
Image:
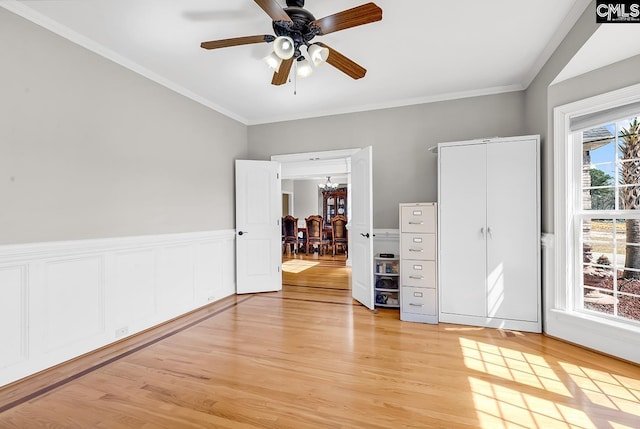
<point>361,227</point>
<point>258,239</point>
<point>462,230</point>
<point>512,240</point>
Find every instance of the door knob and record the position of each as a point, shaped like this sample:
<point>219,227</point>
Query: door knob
<point>365,235</point>
<point>242,232</point>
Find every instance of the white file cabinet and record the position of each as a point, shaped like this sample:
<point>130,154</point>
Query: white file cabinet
<point>418,290</point>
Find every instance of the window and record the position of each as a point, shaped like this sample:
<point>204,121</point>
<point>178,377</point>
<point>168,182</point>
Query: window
<point>590,221</point>
<point>606,218</point>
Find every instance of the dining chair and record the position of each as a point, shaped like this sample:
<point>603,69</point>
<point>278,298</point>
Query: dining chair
<point>315,234</point>
<point>290,234</point>
<point>339,236</point>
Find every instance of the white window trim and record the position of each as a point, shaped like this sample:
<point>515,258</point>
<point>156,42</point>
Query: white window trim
<point>611,337</point>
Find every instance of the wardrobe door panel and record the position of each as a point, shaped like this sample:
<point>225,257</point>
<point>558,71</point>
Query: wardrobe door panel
<point>512,239</point>
<point>462,202</point>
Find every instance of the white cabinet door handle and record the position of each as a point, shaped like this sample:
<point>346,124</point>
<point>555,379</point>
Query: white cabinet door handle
<point>416,250</point>
<point>416,277</point>
<point>416,223</point>
<point>416,305</point>
<point>489,232</point>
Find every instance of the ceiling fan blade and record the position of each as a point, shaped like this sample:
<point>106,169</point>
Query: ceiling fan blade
<point>343,63</point>
<point>273,9</point>
<point>360,15</point>
<point>247,40</point>
<point>280,77</point>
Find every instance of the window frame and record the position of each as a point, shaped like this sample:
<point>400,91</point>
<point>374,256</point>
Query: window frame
<point>564,295</point>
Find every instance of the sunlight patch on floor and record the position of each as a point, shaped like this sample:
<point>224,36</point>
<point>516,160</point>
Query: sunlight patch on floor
<point>511,365</point>
<point>297,266</point>
<point>508,398</point>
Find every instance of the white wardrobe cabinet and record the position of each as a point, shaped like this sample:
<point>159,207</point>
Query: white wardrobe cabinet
<point>489,233</point>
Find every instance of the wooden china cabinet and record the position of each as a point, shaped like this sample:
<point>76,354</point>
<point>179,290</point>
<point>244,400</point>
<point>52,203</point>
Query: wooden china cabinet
<point>333,203</point>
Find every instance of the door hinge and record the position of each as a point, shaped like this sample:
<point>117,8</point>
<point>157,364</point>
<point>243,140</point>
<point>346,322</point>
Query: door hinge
<point>278,268</point>
<point>277,175</point>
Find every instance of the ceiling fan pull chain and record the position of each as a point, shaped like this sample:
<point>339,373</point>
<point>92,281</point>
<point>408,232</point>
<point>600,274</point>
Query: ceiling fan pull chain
<point>295,80</point>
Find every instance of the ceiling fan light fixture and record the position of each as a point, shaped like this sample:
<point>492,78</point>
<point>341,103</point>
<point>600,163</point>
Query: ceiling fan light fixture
<point>303,67</point>
<point>273,61</point>
<point>283,47</point>
<point>318,54</point>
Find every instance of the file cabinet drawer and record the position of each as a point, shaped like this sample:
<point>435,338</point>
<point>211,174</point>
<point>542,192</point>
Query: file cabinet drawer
<point>418,246</point>
<point>418,273</point>
<point>419,300</point>
<point>419,218</point>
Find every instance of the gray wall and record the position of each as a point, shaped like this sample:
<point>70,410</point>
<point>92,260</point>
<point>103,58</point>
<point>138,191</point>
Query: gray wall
<point>307,199</point>
<point>606,79</point>
<point>539,109</point>
<point>90,149</point>
<point>403,169</point>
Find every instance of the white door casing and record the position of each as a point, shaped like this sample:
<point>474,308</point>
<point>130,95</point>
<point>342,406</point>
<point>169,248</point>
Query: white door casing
<point>258,229</point>
<point>361,227</point>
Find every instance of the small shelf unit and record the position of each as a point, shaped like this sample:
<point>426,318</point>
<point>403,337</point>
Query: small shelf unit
<point>387,281</point>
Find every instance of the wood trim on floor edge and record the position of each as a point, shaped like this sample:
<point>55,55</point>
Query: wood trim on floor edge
<point>45,381</point>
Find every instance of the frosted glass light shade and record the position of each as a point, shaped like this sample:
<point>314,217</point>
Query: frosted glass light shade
<point>283,47</point>
<point>318,54</point>
<point>303,67</point>
<point>273,61</point>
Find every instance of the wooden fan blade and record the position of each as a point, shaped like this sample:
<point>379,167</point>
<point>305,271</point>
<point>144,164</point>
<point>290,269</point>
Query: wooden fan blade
<point>360,15</point>
<point>247,40</point>
<point>280,77</point>
<point>343,63</point>
<point>273,9</point>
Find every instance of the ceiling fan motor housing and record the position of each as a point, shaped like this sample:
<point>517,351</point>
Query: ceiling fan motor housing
<point>299,28</point>
<point>295,3</point>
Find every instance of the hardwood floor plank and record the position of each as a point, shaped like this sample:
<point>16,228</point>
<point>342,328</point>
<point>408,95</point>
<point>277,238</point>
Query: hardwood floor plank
<point>311,357</point>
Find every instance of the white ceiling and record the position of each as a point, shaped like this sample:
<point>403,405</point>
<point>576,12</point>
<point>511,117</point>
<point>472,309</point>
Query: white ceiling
<point>421,51</point>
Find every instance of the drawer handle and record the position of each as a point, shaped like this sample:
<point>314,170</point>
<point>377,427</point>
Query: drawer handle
<point>416,277</point>
<point>416,250</point>
<point>416,223</point>
<point>416,305</point>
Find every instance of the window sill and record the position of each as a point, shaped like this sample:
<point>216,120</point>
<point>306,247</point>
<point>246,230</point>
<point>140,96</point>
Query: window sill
<point>583,318</point>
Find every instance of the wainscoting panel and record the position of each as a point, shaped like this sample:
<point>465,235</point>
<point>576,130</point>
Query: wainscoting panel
<point>209,270</point>
<point>59,300</point>
<point>13,314</point>
<point>132,289</point>
<point>175,281</point>
<point>74,305</point>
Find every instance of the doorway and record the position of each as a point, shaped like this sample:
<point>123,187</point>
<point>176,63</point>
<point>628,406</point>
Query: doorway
<point>302,269</point>
<point>301,175</point>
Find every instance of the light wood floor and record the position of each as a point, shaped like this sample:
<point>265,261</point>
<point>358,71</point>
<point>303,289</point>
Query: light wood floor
<point>309,357</point>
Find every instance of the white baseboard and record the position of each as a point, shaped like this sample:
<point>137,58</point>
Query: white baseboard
<point>59,300</point>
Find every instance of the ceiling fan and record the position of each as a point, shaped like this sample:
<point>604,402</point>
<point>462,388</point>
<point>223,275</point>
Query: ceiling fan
<point>295,27</point>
